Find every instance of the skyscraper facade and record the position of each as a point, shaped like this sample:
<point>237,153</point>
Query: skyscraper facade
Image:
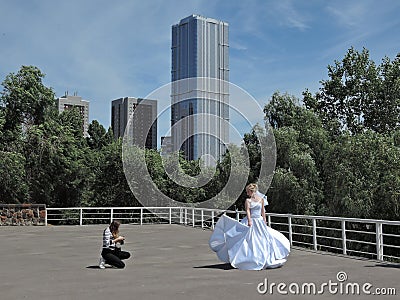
<point>200,90</point>
<point>138,114</point>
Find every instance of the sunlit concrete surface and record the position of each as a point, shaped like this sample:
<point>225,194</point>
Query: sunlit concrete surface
<point>169,262</point>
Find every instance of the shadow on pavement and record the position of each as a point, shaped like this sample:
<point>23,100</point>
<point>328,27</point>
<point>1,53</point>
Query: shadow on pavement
<point>93,267</point>
<point>383,265</point>
<point>225,266</point>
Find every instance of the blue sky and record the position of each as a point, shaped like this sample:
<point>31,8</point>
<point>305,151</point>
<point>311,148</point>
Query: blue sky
<point>109,49</point>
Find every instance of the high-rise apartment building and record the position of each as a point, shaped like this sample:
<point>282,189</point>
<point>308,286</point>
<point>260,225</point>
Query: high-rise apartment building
<point>142,130</point>
<point>166,145</point>
<point>68,102</point>
<point>199,110</point>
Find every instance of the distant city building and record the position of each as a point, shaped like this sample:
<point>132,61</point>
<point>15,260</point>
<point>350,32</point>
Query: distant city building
<point>199,109</point>
<point>166,145</point>
<point>68,102</point>
<point>141,131</point>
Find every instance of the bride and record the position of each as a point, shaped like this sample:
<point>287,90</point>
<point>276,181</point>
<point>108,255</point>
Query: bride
<point>249,244</point>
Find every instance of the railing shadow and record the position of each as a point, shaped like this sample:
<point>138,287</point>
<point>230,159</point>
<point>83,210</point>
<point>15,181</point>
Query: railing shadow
<point>396,266</point>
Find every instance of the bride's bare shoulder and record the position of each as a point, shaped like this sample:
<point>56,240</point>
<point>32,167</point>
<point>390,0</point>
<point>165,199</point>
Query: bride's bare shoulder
<point>258,198</point>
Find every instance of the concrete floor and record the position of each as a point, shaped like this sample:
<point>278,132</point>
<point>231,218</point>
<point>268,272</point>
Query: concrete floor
<point>169,262</point>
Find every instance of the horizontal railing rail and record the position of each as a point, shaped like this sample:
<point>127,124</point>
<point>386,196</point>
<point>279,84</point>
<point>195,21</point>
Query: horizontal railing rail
<point>377,239</point>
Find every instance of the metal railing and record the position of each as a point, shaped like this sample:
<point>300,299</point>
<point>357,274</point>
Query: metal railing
<point>196,217</point>
<point>377,239</point>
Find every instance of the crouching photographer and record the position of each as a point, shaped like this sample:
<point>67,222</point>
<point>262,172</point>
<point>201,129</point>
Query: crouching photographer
<point>111,253</point>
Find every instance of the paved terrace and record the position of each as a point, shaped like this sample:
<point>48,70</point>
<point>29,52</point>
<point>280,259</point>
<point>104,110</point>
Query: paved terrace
<point>170,262</point>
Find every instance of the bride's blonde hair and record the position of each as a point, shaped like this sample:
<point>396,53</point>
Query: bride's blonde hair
<point>252,187</point>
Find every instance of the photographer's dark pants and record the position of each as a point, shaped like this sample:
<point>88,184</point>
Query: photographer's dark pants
<point>115,257</point>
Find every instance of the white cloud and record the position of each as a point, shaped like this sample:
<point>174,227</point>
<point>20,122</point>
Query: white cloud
<point>349,14</point>
<point>290,16</point>
<point>361,24</point>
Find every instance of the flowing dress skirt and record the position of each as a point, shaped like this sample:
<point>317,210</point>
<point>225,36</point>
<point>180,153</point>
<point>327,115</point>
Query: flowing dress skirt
<point>245,247</point>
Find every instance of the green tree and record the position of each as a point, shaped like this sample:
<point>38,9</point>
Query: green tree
<point>25,98</point>
<point>98,136</point>
<point>296,186</point>
<point>300,145</point>
<point>13,186</point>
<point>233,172</point>
<point>358,95</point>
<point>281,110</point>
<point>56,161</point>
<point>110,186</point>
<point>363,177</point>
<point>383,111</point>
<point>253,147</point>
<point>2,122</point>
<point>186,182</point>
<point>285,111</point>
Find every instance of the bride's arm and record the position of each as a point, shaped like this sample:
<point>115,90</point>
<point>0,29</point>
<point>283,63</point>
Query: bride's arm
<point>263,210</point>
<point>248,214</point>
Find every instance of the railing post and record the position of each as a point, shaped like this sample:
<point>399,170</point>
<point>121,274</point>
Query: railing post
<point>237,214</point>
<point>170,215</point>
<point>80,217</point>
<point>180,215</point>
<point>202,218</point>
<point>212,219</point>
<point>290,230</point>
<point>185,215</point>
<point>141,216</point>
<point>45,216</point>
<point>111,214</point>
<point>379,241</point>
<point>269,220</point>
<point>344,242</point>
<point>314,232</point>
<point>193,216</point>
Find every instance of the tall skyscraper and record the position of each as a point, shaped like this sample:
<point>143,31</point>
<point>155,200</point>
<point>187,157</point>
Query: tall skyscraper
<point>68,102</point>
<point>199,110</point>
<point>142,130</point>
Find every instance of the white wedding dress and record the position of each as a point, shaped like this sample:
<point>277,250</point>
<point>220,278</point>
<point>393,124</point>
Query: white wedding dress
<point>246,247</point>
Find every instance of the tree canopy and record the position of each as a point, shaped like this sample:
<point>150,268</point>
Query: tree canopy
<point>337,151</point>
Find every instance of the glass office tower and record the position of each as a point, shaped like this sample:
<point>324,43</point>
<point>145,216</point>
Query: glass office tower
<point>200,90</point>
